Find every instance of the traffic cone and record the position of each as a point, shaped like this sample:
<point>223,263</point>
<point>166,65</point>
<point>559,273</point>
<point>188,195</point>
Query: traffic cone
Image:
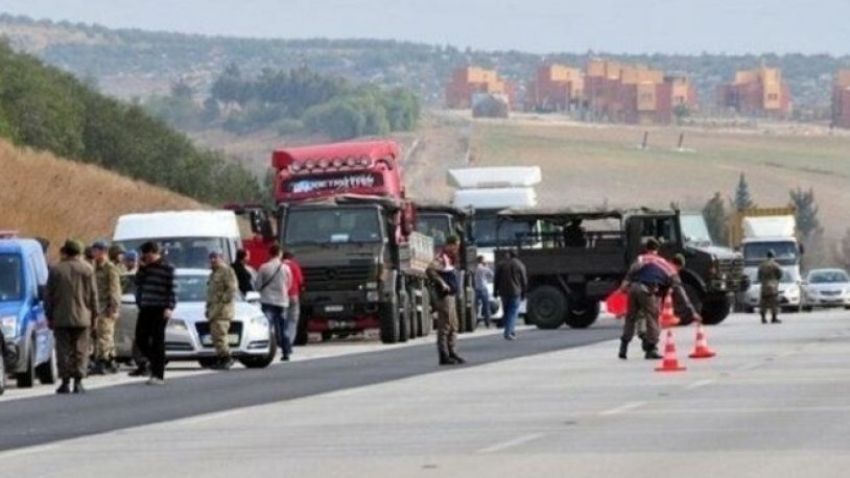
<point>670,363</point>
<point>701,349</point>
<point>668,316</point>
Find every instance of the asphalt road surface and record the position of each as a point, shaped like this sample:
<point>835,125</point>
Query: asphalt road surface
<point>774,402</point>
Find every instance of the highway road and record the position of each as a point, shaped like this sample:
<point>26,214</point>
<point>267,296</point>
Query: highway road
<point>774,402</point>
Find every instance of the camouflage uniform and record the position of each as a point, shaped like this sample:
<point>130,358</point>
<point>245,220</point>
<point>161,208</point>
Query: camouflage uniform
<point>441,271</point>
<point>769,275</point>
<point>221,292</point>
<point>109,294</point>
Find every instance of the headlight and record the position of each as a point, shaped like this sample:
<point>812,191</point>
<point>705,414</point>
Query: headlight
<point>177,324</point>
<point>372,296</point>
<point>9,326</point>
<point>371,286</point>
<point>259,321</point>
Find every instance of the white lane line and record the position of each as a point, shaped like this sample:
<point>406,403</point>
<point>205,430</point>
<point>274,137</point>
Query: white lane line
<point>209,417</point>
<point>701,383</point>
<point>511,443</point>
<point>29,450</point>
<point>623,409</point>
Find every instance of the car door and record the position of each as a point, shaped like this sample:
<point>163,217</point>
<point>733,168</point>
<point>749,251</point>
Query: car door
<point>125,328</point>
<point>43,334</point>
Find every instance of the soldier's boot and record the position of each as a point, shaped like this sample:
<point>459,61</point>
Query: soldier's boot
<point>99,368</point>
<point>457,358</point>
<point>763,318</point>
<point>142,370</point>
<point>651,351</point>
<point>78,386</point>
<point>624,349</point>
<point>65,387</point>
<point>112,366</point>
<point>775,320</point>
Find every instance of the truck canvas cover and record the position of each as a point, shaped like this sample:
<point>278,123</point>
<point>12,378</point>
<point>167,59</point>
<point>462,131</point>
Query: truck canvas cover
<point>495,198</point>
<point>495,177</point>
<point>769,226</point>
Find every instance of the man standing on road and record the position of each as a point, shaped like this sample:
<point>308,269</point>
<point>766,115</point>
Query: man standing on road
<point>243,272</point>
<point>483,274</point>
<point>296,286</point>
<point>273,282</point>
<point>156,299</point>
<point>109,295</point>
<point>510,284</point>
<point>222,288</point>
<point>443,275</point>
<point>769,275</point>
<point>647,280</point>
<point>71,309</point>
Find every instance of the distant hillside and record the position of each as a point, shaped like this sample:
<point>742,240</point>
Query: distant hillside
<point>137,63</point>
<point>56,198</point>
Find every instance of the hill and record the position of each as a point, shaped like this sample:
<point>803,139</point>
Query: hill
<point>45,196</point>
<point>129,63</point>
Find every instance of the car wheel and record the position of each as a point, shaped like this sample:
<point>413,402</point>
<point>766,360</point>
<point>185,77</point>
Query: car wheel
<point>26,379</point>
<point>47,372</point>
<point>807,308</point>
<point>207,362</point>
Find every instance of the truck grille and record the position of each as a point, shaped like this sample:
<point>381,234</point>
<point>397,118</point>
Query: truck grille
<point>323,278</point>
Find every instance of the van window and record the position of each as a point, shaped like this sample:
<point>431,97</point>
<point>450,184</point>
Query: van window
<point>186,252</point>
<point>11,278</point>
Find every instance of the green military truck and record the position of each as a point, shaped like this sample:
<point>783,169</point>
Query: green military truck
<point>569,279</point>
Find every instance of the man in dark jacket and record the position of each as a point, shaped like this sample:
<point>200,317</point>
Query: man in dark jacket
<point>71,309</point>
<point>510,283</point>
<point>156,299</point>
<point>443,276</point>
<point>243,272</point>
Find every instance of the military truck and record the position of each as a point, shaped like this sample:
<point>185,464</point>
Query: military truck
<point>567,280</point>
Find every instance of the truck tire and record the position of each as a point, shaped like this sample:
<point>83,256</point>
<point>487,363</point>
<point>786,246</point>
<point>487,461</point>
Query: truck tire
<point>48,372</point>
<point>390,330</point>
<point>547,307</point>
<point>26,379</point>
<point>460,305</point>
<point>582,315</point>
<point>715,311</point>
<point>427,314</point>
<point>696,298</point>
<point>408,331</point>
<point>471,312</point>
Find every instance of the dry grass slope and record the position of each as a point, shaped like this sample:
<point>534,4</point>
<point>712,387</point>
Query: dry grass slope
<point>41,195</point>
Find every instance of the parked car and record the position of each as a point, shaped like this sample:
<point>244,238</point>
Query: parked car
<point>29,354</point>
<point>187,336</point>
<point>790,292</point>
<point>826,288</point>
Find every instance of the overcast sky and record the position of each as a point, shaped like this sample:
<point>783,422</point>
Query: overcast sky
<point>614,26</point>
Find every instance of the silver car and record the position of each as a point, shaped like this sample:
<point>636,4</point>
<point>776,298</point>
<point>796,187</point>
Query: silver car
<point>826,288</point>
<point>790,292</point>
<point>187,336</point>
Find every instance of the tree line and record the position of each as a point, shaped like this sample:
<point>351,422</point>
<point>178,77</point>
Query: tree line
<point>44,108</point>
<point>293,101</point>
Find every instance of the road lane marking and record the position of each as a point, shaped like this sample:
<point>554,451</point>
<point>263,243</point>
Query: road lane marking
<point>29,450</point>
<point>511,443</point>
<point>702,410</point>
<point>701,383</point>
<point>623,409</point>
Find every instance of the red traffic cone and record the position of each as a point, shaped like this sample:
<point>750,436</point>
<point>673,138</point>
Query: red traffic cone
<point>701,349</point>
<point>670,362</point>
<point>668,316</point>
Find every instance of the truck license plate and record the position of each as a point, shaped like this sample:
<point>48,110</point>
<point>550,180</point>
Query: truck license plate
<point>340,324</point>
<point>334,308</point>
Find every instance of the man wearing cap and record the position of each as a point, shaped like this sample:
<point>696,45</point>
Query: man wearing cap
<point>647,280</point>
<point>109,294</point>
<point>222,288</point>
<point>769,276</point>
<point>71,308</point>
<point>116,257</point>
<point>131,262</point>
<point>443,275</point>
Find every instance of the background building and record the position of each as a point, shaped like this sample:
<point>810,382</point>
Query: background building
<point>759,92</point>
<point>841,100</point>
<point>468,81</point>
<point>554,88</point>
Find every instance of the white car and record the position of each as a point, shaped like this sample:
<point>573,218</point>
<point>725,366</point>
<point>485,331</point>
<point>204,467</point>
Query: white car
<point>826,288</point>
<point>187,336</point>
<point>790,292</point>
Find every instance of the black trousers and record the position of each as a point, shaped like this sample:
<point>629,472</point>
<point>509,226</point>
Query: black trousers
<point>150,338</point>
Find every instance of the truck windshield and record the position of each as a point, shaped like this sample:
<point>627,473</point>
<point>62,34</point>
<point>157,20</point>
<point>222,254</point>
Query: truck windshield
<point>11,278</point>
<point>185,252</point>
<point>695,229</point>
<point>437,226</point>
<point>490,233</point>
<point>332,226</point>
<point>757,251</point>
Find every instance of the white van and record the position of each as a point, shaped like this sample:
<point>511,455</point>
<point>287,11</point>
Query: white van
<point>187,237</point>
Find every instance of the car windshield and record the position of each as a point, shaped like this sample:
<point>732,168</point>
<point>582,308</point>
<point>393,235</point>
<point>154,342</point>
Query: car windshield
<point>190,287</point>
<point>788,276</point>
<point>439,227</point>
<point>757,251</point>
<point>828,277</point>
<point>487,228</point>
<point>11,278</point>
<point>332,226</point>
<point>184,252</point>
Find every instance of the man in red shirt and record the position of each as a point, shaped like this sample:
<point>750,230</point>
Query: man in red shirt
<point>293,311</point>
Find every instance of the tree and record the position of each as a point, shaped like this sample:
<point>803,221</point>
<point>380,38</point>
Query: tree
<point>806,211</point>
<point>742,195</point>
<point>842,252</point>
<point>714,213</point>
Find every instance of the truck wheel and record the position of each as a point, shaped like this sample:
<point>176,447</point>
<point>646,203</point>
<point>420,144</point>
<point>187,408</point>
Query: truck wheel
<point>427,315</point>
<point>582,315</point>
<point>26,379</point>
<point>460,305</point>
<point>471,312</point>
<point>715,311</point>
<point>547,307</point>
<point>417,310</point>
<point>695,296</point>
<point>408,318</point>
<point>47,372</point>
<point>390,326</point>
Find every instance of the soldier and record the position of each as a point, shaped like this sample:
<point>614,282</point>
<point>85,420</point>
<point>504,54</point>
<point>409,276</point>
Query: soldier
<point>221,294</point>
<point>444,277</point>
<point>109,294</point>
<point>71,307</point>
<point>88,255</point>
<point>646,282</point>
<point>769,275</point>
<point>116,257</point>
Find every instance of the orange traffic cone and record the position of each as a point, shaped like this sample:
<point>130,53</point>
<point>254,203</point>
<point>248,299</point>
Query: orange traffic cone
<point>701,349</point>
<point>670,362</point>
<point>668,316</point>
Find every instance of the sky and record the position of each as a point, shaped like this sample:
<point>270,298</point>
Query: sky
<point>537,26</point>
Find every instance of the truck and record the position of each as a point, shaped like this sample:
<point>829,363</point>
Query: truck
<point>440,220</point>
<point>343,211</point>
<point>756,231</point>
<point>567,281</point>
<point>488,190</point>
